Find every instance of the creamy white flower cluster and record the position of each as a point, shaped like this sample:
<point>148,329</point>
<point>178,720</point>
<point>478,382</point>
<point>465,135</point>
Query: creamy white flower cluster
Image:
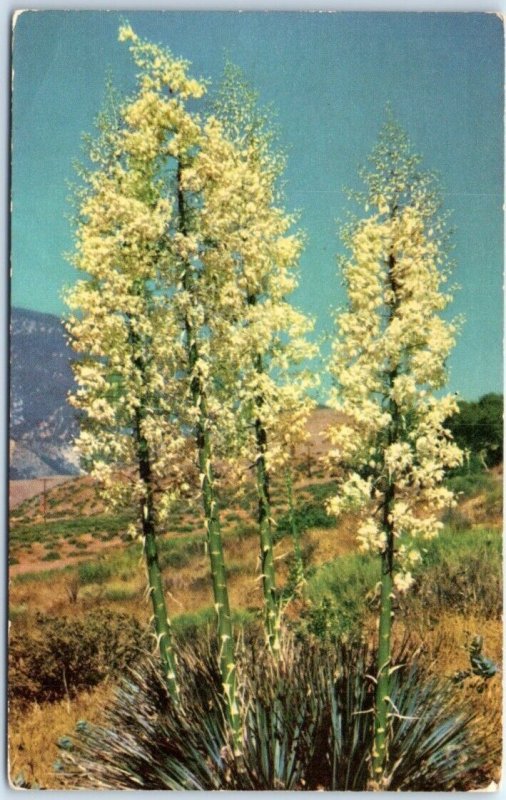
<point>388,358</point>
<point>261,338</point>
<point>154,288</point>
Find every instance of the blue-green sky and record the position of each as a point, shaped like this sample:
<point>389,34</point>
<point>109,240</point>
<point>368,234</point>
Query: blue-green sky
<point>329,76</point>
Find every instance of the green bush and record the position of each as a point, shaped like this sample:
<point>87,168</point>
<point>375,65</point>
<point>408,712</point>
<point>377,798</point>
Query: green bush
<point>51,555</point>
<point>456,520</point>
<point>341,593</point>
<point>322,491</point>
<point>194,624</point>
<point>50,545</point>
<point>80,545</point>
<point>461,570</point>
<point>494,500</point>
<point>176,553</point>
<point>94,572</point>
<point>307,515</point>
<point>244,530</point>
<point>174,559</point>
<point>64,655</point>
<point>470,481</point>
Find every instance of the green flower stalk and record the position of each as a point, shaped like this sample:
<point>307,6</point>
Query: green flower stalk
<point>269,385</point>
<point>209,499</point>
<point>388,361</point>
<point>297,577</point>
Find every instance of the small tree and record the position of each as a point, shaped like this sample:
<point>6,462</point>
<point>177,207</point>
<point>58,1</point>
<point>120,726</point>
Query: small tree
<point>388,359</point>
<point>479,430</point>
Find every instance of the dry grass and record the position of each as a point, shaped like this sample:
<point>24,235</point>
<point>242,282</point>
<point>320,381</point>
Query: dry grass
<point>444,648</point>
<point>445,645</point>
<point>34,733</point>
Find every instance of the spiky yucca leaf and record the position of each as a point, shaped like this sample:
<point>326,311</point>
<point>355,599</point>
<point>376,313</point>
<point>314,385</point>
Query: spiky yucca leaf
<point>150,743</point>
<point>306,724</point>
<point>437,740</point>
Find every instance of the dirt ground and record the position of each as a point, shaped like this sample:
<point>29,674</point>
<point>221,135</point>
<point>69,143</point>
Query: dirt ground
<point>25,489</point>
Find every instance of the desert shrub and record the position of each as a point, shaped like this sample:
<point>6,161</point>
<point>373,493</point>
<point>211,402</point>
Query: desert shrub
<point>80,545</point>
<point>233,516</point>
<point>456,519</point>
<point>463,572</point>
<point>94,572</point>
<point>307,515</point>
<point>470,480</point>
<point>494,500</point>
<point>323,621</point>
<point>173,558</point>
<point>62,655</point>
<point>194,625</point>
<point>341,592</point>
<point>322,491</point>
<point>119,594</point>
<point>243,530</point>
<point>184,527</point>
<point>51,555</point>
<point>306,724</point>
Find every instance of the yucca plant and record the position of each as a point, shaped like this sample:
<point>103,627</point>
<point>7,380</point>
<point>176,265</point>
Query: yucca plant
<point>307,723</point>
<point>388,364</point>
<point>150,742</point>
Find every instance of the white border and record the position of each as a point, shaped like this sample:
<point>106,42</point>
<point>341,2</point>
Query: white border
<point>7,14</point>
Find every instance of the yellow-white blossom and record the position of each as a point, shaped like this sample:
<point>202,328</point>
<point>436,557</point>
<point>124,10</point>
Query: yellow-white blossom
<point>263,337</point>
<point>389,360</point>
<point>124,322</point>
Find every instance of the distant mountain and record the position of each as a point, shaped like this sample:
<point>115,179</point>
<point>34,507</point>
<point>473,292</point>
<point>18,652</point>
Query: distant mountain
<point>42,423</point>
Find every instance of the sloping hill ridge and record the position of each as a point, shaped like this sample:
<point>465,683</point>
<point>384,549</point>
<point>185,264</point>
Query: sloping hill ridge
<point>42,424</point>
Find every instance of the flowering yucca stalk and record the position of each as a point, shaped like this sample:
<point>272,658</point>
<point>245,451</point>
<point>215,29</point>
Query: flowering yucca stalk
<point>267,336</point>
<point>198,358</point>
<point>191,167</point>
<point>123,322</point>
<point>388,359</point>
<point>296,578</point>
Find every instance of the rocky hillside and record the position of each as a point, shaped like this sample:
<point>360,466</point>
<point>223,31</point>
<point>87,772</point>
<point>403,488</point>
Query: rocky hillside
<point>42,424</point>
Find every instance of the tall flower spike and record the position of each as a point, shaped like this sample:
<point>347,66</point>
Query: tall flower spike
<point>388,360</point>
<point>124,324</point>
<point>264,340</point>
